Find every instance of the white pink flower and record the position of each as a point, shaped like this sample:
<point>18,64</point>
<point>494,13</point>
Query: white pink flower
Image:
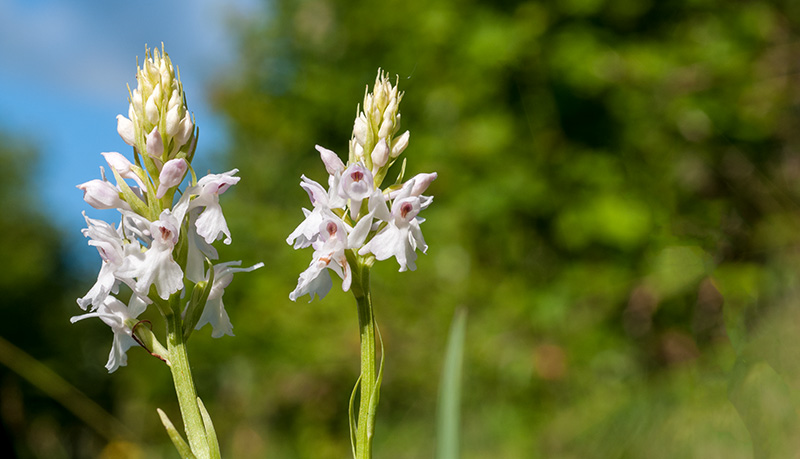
<point>121,319</point>
<point>401,237</point>
<point>101,194</point>
<point>328,253</point>
<point>214,312</point>
<point>211,224</point>
<point>156,266</point>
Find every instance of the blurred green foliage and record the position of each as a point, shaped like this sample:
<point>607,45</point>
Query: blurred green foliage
<point>38,291</point>
<point>617,208</point>
<point>617,195</point>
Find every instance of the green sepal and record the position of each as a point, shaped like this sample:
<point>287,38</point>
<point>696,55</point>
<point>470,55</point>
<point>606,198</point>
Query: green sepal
<point>192,141</point>
<point>398,183</point>
<point>194,175</point>
<point>175,436</point>
<point>162,305</point>
<point>150,166</point>
<point>197,302</point>
<point>153,204</point>
<point>401,174</point>
<point>143,334</point>
<point>128,195</point>
<point>211,433</point>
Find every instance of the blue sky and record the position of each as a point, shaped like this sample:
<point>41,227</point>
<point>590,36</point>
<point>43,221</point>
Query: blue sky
<point>65,68</point>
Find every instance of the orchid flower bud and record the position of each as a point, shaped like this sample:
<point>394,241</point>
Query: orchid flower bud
<point>150,68</point>
<point>171,175</point>
<point>158,95</point>
<point>358,152</point>
<point>386,128</point>
<point>380,92</point>
<point>174,99</point>
<point>380,155</point>
<point>391,108</point>
<point>165,72</point>
<point>173,121</point>
<point>118,162</point>
<point>421,183</point>
<point>185,129</point>
<point>102,195</point>
<point>399,144</point>
<point>136,102</point>
<point>123,167</point>
<point>368,102</point>
<point>360,129</point>
<point>125,130</point>
<point>154,144</point>
<point>333,164</point>
<point>151,110</point>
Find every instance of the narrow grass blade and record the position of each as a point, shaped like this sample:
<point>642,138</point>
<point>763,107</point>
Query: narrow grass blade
<point>448,409</point>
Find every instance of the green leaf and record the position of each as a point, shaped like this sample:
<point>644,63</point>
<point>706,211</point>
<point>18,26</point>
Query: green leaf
<point>375,397</point>
<point>211,433</point>
<point>177,440</point>
<point>448,410</point>
<point>353,418</point>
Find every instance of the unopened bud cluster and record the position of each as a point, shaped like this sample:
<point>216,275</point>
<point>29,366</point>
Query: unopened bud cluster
<point>354,221</point>
<point>161,248</point>
<point>158,122</point>
<point>375,142</point>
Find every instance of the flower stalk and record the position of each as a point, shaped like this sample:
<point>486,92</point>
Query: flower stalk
<point>354,223</point>
<point>368,381</point>
<point>184,386</point>
<point>161,250</point>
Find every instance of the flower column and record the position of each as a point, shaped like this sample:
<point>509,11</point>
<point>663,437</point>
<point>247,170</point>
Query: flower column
<point>354,223</point>
<point>161,249</point>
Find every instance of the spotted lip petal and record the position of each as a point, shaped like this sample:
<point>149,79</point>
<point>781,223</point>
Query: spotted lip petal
<point>156,266</point>
<point>328,253</point>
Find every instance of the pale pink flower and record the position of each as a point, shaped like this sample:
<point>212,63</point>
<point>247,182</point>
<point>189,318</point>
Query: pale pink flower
<point>101,194</point>
<point>156,266</point>
<point>211,224</point>
<point>119,317</point>
<point>214,312</point>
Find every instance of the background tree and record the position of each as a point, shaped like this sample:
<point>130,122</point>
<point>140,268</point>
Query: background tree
<point>616,206</point>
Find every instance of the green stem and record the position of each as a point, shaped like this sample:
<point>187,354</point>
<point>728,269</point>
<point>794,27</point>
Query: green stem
<point>366,324</point>
<point>184,386</point>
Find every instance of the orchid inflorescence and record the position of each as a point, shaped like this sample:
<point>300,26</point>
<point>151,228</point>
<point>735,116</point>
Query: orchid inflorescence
<point>355,221</point>
<point>161,247</point>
